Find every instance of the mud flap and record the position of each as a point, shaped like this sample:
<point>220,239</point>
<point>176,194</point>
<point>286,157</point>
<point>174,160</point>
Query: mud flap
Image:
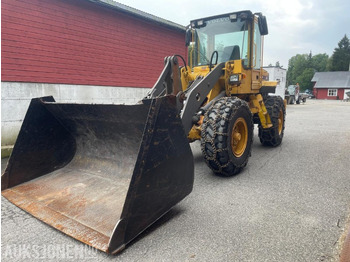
<point>100,173</point>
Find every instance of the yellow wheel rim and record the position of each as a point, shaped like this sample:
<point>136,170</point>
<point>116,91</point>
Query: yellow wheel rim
<point>239,137</point>
<point>280,122</point>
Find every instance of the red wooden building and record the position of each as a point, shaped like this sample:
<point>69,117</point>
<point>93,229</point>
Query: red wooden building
<point>84,42</point>
<point>85,51</point>
<point>331,85</point>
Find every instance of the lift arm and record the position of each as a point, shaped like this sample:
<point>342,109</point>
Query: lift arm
<point>191,100</point>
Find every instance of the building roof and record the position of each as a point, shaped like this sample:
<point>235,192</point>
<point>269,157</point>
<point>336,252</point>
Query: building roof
<point>138,13</point>
<point>338,79</point>
<point>277,67</point>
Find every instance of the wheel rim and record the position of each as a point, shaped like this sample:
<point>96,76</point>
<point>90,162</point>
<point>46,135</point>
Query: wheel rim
<point>239,137</point>
<point>280,122</point>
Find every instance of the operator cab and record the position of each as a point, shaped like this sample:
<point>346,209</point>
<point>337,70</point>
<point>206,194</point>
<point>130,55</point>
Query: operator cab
<point>226,37</point>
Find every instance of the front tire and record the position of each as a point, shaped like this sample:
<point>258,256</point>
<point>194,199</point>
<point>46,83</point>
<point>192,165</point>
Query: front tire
<point>273,136</point>
<point>227,136</point>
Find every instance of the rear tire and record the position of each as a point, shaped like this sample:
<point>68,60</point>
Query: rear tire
<point>227,136</point>
<point>273,136</point>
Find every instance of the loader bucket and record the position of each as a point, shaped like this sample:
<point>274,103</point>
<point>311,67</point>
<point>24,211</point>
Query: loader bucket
<point>99,173</point>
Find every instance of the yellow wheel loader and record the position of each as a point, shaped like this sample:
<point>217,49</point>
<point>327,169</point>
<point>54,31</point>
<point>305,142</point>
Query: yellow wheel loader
<point>104,173</point>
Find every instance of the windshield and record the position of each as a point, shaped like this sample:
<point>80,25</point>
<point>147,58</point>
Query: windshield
<point>229,39</point>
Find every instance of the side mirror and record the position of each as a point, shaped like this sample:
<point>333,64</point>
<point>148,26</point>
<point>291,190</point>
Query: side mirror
<point>188,37</point>
<point>263,25</point>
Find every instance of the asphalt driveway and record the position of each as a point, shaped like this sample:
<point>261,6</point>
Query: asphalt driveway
<point>291,203</point>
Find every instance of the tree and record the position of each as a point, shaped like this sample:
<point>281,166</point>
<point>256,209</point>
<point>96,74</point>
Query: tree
<point>302,67</point>
<point>304,79</point>
<point>296,66</point>
<point>340,59</point>
<point>319,62</point>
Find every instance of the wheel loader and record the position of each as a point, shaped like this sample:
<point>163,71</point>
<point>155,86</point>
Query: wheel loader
<point>104,173</point>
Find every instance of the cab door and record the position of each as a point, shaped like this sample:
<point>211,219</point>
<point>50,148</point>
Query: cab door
<point>257,57</point>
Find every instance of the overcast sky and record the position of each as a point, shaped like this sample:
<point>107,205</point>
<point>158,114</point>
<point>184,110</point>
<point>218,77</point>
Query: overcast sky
<point>295,26</point>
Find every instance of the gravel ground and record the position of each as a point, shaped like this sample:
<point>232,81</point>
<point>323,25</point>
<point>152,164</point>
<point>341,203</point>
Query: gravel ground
<point>291,203</point>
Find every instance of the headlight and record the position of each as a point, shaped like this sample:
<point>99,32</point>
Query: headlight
<point>234,79</point>
<point>233,16</point>
<point>200,23</point>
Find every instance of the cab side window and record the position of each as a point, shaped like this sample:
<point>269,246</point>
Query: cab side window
<point>257,47</point>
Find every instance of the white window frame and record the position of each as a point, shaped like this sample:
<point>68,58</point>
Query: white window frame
<point>332,92</point>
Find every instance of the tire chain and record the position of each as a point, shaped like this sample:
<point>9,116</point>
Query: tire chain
<point>214,136</point>
<point>270,136</point>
